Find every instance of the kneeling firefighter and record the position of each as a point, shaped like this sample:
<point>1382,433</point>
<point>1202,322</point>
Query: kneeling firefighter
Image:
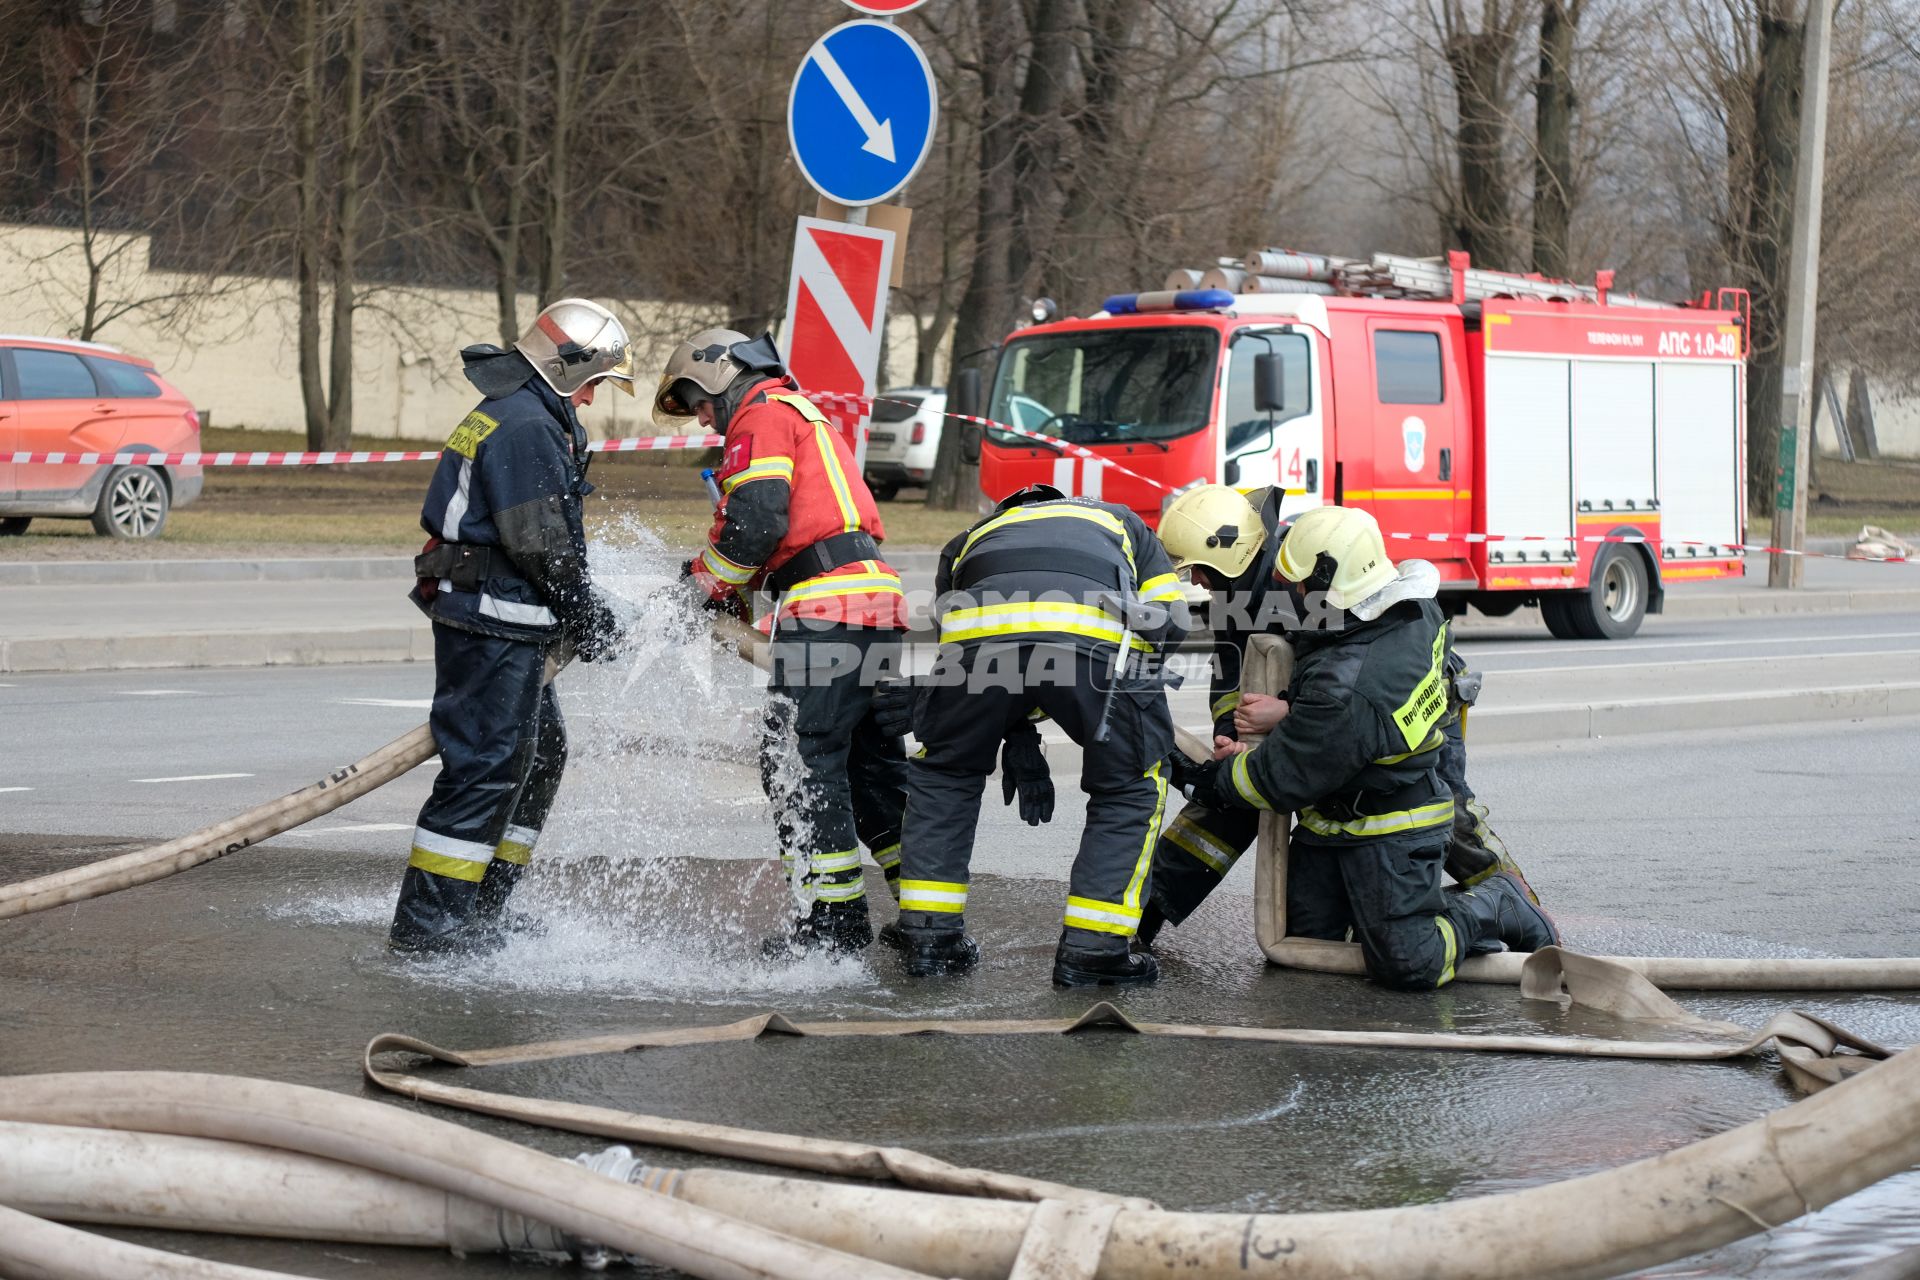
<point>1356,757</point>
<point>1046,606</point>
<point>796,520</point>
<point>504,578</point>
<point>1228,543</point>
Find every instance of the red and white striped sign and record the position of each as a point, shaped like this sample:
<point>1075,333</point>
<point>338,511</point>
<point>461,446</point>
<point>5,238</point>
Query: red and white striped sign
<point>837,316</point>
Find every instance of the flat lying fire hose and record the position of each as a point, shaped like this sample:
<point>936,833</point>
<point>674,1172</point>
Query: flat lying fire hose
<point>1682,1202</point>
<point>478,1166</point>
<point>1814,1052</point>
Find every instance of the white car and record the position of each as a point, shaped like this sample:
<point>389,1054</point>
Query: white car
<point>903,438</point>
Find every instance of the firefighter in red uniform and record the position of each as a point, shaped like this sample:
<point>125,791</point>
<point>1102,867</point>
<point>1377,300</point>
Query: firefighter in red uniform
<point>796,520</point>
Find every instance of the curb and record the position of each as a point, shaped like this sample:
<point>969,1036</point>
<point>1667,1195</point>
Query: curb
<point>62,573</point>
<point>1562,722</point>
<point>306,647</point>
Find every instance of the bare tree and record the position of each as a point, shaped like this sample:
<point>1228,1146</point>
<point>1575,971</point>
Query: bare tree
<point>1554,103</point>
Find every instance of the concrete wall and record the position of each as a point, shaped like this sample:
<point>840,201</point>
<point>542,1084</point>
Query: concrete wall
<point>1896,420</point>
<point>236,354</point>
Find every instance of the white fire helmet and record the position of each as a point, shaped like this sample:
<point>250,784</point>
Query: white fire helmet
<point>573,342</point>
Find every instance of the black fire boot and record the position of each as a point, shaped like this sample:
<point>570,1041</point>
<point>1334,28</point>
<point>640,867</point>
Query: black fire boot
<point>837,928</point>
<point>490,904</point>
<point>1498,907</point>
<point>438,915</point>
<point>1088,959</point>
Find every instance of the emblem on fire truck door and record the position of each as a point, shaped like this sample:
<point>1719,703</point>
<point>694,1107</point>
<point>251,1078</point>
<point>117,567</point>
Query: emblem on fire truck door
<point>1414,432</point>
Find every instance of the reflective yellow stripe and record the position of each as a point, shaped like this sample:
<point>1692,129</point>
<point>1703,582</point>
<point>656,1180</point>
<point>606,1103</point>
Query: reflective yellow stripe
<point>442,865</point>
<point>1102,917</point>
<point>1189,835</point>
<point>724,569</point>
<point>962,625</point>
<point>1432,743</point>
<point>1164,587</point>
<point>1428,701</point>
<point>1244,784</point>
<point>933,895</point>
<point>1453,949</point>
<point>830,461</point>
<point>829,891</point>
<point>840,860</point>
<point>1144,863</point>
<point>513,851</point>
<point>889,856</point>
<point>1020,515</point>
<point>1438,814</point>
<point>852,584</point>
<point>808,409</point>
<point>1225,703</point>
<point>762,469</point>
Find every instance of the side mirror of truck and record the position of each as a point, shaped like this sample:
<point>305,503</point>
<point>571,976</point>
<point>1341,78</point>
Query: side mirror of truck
<point>966,393</point>
<point>1232,473</point>
<point>1269,382</point>
<point>971,434</point>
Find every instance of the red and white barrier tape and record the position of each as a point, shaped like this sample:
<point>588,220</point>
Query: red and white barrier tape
<point>842,403</point>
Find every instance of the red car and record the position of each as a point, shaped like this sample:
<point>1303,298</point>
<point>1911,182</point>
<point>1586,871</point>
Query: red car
<point>80,397</point>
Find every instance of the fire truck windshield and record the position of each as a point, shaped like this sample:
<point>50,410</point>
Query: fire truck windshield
<point>1106,386</point>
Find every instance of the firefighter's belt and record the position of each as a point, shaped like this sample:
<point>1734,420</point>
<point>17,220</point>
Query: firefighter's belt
<point>991,564</point>
<point>824,556</point>
<point>466,567</point>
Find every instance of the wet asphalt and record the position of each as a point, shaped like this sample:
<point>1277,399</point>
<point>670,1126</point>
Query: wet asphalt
<point>654,887</point>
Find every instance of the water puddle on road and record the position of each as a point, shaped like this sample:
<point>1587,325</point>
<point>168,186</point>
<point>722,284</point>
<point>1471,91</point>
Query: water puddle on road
<point>650,893</point>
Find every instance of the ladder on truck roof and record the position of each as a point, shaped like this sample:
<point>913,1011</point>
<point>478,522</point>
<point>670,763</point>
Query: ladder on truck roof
<point>1390,275</point>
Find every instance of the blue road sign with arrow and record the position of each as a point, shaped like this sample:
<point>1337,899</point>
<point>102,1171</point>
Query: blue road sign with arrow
<point>861,112</point>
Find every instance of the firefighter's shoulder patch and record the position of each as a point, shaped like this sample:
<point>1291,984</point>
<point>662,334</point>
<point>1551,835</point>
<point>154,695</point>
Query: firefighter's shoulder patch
<point>473,428</point>
<point>739,455</point>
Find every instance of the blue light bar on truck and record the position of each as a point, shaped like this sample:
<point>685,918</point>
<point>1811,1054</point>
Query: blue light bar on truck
<point>1126,304</point>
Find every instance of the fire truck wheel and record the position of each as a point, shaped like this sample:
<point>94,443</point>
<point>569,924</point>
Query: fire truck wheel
<point>1616,598</point>
<point>1559,618</point>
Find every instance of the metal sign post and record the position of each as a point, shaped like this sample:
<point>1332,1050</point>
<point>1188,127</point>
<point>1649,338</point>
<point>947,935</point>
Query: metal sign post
<point>860,116</point>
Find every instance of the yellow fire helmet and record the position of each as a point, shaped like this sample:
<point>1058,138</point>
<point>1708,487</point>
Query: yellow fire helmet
<point>1350,540</point>
<point>1214,526</point>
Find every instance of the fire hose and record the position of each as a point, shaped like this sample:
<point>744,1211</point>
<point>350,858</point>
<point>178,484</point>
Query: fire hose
<point>1682,1202</point>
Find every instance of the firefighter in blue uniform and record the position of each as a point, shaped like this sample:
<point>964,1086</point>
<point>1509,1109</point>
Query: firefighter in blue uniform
<point>1229,543</point>
<point>1356,757</point>
<point>1044,605</point>
<point>504,578</point>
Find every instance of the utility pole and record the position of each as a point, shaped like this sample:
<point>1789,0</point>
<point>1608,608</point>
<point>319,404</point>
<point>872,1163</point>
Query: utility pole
<point>1803,295</point>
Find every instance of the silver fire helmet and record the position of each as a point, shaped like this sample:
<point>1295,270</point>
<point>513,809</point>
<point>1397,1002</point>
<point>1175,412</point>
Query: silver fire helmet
<point>574,342</point>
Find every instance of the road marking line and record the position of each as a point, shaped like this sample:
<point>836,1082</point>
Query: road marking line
<point>351,827</point>
<point>1634,646</point>
<point>197,777</point>
<point>160,693</point>
<point>412,704</point>
<point>16,788</point>
<point>1699,662</point>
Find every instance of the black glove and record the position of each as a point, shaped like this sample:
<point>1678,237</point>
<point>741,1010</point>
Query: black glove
<point>1193,779</point>
<point>893,706</point>
<point>594,631</point>
<point>1023,771</point>
<point>730,605</point>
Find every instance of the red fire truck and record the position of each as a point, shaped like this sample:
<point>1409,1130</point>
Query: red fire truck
<point>1498,421</point>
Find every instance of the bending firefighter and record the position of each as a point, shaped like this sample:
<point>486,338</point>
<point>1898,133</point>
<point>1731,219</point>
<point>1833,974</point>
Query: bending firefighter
<point>1356,755</point>
<point>1048,606</point>
<point>504,578</point>
<point>796,520</point>
<point>1228,543</point>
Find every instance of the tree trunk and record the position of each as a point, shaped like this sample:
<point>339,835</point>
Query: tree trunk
<point>987,304</point>
<point>346,231</point>
<point>308,230</point>
<point>986,308</point>
<point>1775,149</point>
<point>1554,105</point>
<point>1040,148</point>
<point>558,206</point>
<point>1477,61</point>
